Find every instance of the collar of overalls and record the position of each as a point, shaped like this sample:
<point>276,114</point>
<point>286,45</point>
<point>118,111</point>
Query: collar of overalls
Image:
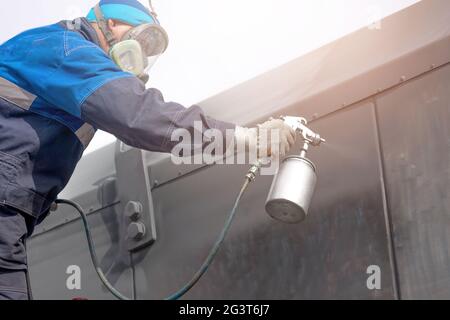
<point>83,27</point>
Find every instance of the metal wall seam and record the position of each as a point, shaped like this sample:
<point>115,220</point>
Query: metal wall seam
<point>387,214</point>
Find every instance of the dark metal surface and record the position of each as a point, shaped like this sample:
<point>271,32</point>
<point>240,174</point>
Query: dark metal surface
<point>51,253</point>
<point>325,257</point>
<point>415,132</point>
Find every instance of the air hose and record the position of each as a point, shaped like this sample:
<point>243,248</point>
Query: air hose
<point>92,251</point>
<point>250,177</point>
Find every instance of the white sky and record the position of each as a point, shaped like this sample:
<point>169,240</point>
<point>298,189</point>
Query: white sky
<point>217,44</point>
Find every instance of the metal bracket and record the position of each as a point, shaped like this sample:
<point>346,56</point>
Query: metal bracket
<point>133,185</point>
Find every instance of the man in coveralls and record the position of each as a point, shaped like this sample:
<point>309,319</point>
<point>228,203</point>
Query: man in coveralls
<point>58,85</point>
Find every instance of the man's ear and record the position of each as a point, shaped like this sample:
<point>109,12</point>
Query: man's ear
<point>111,23</point>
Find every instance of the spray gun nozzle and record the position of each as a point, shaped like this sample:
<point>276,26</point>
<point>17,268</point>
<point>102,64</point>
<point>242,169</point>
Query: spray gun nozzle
<point>299,124</point>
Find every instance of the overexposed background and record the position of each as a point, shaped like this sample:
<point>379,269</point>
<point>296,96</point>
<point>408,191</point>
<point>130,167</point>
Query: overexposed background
<point>217,44</point>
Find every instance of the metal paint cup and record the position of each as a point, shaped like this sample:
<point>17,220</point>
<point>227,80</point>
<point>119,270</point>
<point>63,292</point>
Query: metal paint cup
<point>292,190</point>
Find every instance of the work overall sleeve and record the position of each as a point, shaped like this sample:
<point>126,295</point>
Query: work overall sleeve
<point>141,118</point>
<point>87,84</point>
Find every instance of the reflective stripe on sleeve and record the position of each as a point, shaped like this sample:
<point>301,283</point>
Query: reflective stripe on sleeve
<point>85,134</point>
<point>16,95</point>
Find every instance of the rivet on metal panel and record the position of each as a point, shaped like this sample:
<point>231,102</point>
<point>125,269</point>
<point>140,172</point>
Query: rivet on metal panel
<point>402,78</point>
<point>133,210</point>
<point>136,231</point>
<point>155,183</point>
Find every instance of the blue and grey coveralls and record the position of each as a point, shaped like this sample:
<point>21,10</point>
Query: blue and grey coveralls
<point>57,87</point>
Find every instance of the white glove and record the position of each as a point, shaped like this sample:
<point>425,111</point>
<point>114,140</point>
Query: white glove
<point>261,138</point>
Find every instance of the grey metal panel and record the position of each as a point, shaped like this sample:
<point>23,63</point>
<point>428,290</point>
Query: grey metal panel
<point>133,184</point>
<point>325,257</point>
<point>415,133</point>
<point>51,253</point>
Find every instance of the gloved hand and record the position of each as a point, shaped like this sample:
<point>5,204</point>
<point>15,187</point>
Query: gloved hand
<point>261,138</point>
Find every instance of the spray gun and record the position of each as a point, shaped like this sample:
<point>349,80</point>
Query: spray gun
<point>294,185</point>
<point>300,125</point>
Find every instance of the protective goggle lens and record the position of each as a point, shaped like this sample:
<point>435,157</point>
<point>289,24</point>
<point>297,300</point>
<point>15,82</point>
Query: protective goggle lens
<point>140,48</point>
<point>152,38</point>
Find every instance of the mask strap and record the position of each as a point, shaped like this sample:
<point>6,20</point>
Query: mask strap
<point>103,25</point>
<point>153,12</point>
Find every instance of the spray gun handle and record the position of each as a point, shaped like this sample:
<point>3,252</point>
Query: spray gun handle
<point>299,124</point>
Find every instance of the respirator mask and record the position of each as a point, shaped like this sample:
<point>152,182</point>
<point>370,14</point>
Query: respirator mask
<point>139,48</point>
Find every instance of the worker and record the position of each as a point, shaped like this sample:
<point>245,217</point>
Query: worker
<point>58,85</point>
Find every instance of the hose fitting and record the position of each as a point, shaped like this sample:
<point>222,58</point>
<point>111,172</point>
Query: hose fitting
<point>254,171</point>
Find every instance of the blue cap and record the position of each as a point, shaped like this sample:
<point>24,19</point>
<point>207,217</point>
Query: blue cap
<point>131,12</point>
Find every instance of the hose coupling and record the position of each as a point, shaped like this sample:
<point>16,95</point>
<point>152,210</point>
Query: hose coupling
<point>254,170</point>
